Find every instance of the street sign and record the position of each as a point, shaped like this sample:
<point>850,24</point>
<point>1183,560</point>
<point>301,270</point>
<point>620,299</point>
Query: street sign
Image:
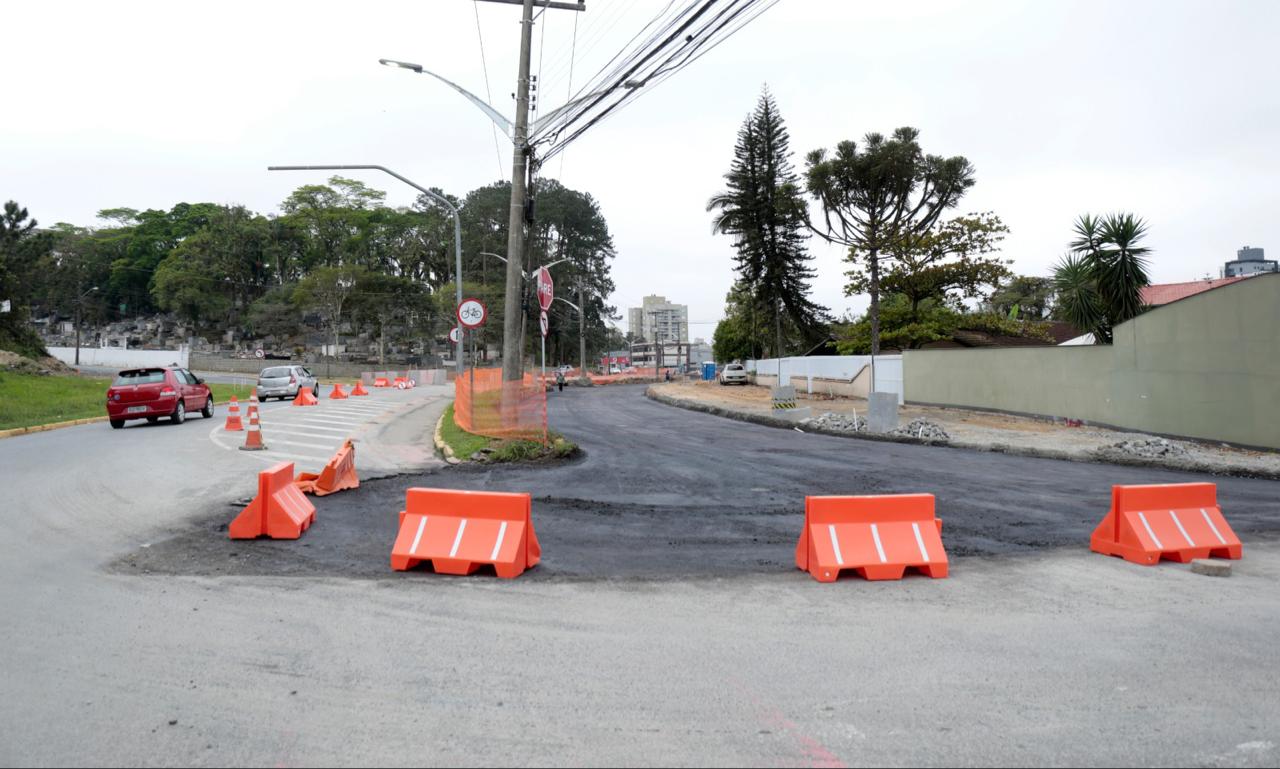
<point>455,334</point>
<point>259,354</point>
<point>546,289</point>
<point>471,313</point>
<point>544,322</point>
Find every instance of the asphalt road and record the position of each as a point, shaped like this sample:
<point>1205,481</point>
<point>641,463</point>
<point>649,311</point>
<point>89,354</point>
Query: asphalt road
<point>665,626</point>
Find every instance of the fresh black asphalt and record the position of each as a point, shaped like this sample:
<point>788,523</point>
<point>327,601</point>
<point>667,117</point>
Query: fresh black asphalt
<point>665,493</point>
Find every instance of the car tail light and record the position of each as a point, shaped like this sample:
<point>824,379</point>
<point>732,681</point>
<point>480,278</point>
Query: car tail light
<point>293,379</point>
<point>168,392</point>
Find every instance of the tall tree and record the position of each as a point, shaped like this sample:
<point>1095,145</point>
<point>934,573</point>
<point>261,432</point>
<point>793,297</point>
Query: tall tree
<point>1099,284</point>
<point>329,291</point>
<point>763,209</point>
<point>1023,296</point>
<point>880,195</point>
<point>22,247</point>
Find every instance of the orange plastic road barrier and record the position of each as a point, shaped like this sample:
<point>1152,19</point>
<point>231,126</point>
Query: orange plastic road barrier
<point>402,382</point>
<point>339,474</point>
<point>253,438</point>
<point>233,416</point>
<point>459,531</point>
<point>381,382</point>
<point>879,537</point>
<point>280,511</point>
<point>305,397</point>
<point>1177,521</point>
<point>359,389</point>
<point>338,393</point>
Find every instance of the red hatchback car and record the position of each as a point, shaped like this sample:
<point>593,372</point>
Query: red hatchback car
<point>152,393</point>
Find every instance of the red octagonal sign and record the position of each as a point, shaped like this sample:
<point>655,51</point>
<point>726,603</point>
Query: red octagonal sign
<point>546,288</point>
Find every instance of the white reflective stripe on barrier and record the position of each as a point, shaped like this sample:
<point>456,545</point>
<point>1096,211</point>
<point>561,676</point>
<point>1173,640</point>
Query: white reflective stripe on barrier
<point>835,544</point>
<point>875,534</point>
<point>502,533</point>
<point>422,524</point>
<point>458,539</point>
<point>1174,515</point>
<point>1142,517</point>
<point>1209,521</point>
<point>920,542</point>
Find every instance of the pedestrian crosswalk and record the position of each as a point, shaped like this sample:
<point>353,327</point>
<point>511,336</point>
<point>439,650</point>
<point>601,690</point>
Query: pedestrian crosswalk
<point>310,435</point>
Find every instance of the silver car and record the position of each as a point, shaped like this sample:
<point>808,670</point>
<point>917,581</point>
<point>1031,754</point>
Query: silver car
<point>734,373</point>
<point>283,382</point>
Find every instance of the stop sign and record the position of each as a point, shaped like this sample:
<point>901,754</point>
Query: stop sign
<point>546,288</point>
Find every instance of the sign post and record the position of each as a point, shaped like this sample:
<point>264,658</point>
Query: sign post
<point>471,316</point>
<point>546,295</point>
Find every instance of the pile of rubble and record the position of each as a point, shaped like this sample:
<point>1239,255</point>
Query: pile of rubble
<point>845,423</point>
<point>923,430</point>
<point>1146,448</point>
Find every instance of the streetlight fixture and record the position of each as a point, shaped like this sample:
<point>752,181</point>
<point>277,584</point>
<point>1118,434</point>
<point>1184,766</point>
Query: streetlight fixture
<point>457,222</point>
<point>79,304</point>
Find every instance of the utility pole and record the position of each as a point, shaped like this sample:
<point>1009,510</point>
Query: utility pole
<point>512,336</point>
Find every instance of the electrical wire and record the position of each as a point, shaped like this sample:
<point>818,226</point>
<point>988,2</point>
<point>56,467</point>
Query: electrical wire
<point>484,64</point>
<point>573,48</point>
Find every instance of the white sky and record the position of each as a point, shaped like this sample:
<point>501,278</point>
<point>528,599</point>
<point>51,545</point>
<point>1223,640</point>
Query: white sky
<point>1167,109</point>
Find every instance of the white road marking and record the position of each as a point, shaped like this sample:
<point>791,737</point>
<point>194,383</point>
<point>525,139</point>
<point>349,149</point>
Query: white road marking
<point>317,426</point>
<point>327,420</point>
<point>1209,521</point>
<point>1185,535</point>
<point>307,433</point>
<point>875,534</point>
<point>502,532</point>
<point>458,539</point>
<point>422,524</point>
<point>920,542</point>
<point>283,442</point>
<point>1142,517</point>
<point>835,544</point>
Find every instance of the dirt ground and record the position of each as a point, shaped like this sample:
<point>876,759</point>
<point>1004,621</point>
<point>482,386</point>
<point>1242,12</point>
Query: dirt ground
<point>994,432</point>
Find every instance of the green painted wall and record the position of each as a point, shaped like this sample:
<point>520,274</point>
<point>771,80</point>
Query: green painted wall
<point>1205,367</point>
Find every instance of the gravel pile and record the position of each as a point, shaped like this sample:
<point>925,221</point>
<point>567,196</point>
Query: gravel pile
<point>1146,448</point>
<point>924,430</point>
<point>845,423</point>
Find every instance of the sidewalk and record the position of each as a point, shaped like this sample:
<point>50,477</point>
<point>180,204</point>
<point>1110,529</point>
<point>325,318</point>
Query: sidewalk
<point>984,431</point>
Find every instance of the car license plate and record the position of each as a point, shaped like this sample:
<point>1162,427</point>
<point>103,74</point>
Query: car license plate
<point>137,409</point>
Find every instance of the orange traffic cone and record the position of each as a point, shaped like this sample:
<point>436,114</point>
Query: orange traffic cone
<point>305,397</point>
<point>253,404</point>
<point>233,417</point>
<point>338,393</point>
<point>359,388</point>
<point>253,438</point>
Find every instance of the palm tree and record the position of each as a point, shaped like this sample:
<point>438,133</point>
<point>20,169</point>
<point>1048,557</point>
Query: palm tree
<point>1099,284</point>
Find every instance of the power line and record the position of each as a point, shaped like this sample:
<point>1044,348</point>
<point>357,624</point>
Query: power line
<point>484,64</point>
<point>572,52</point>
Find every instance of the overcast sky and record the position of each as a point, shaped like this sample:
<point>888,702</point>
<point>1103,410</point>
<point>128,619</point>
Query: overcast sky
<point>1167,109</point>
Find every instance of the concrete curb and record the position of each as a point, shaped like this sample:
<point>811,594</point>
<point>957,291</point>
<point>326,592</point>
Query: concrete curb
<point>15,432</point>
<point>1186,465</point>
<point>443,447</point>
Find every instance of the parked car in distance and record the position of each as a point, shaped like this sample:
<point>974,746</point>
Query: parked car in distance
<point>153,393</point>
<point>283,382</point>
<point>733,373</point>
<point>615,370</point>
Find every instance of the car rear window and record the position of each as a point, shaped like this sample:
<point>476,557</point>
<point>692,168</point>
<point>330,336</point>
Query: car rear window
<point>275,373</point>
<point>140,376</point>
<point>733,367</point>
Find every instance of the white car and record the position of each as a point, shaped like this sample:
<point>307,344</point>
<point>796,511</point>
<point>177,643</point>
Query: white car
<point>734,373</point>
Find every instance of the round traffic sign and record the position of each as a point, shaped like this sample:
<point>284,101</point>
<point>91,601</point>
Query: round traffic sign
<point>546,289</point>
<point>455,334</point>
<point>471,313</point>
<point>259,353</point>
<point>544,322</point>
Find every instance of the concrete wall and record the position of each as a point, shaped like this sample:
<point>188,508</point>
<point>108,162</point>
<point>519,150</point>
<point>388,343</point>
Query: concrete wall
<point>1204,367</point>
<point>839,375</point>
<point>118,357</point>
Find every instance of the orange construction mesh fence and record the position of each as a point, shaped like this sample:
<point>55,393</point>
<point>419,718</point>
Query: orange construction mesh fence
<point>485,405</point>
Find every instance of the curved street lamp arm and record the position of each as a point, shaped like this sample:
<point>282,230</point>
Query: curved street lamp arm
<point>487,108</point>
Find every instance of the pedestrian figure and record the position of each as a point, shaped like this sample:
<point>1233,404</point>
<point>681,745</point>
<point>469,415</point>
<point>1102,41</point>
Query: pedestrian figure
<point>559,380</point>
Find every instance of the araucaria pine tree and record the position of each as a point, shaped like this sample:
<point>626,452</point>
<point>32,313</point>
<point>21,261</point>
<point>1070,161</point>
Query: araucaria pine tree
<point>764,210</point>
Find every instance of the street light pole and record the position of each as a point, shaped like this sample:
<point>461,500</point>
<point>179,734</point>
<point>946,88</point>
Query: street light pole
<point>457,231</point>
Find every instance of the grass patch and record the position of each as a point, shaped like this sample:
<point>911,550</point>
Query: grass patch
<point>462,443</point>
<point>27,400</point>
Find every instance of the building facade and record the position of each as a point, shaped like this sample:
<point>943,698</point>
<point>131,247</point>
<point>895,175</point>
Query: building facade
<point>658,320</point>
<point>1249,261</point>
